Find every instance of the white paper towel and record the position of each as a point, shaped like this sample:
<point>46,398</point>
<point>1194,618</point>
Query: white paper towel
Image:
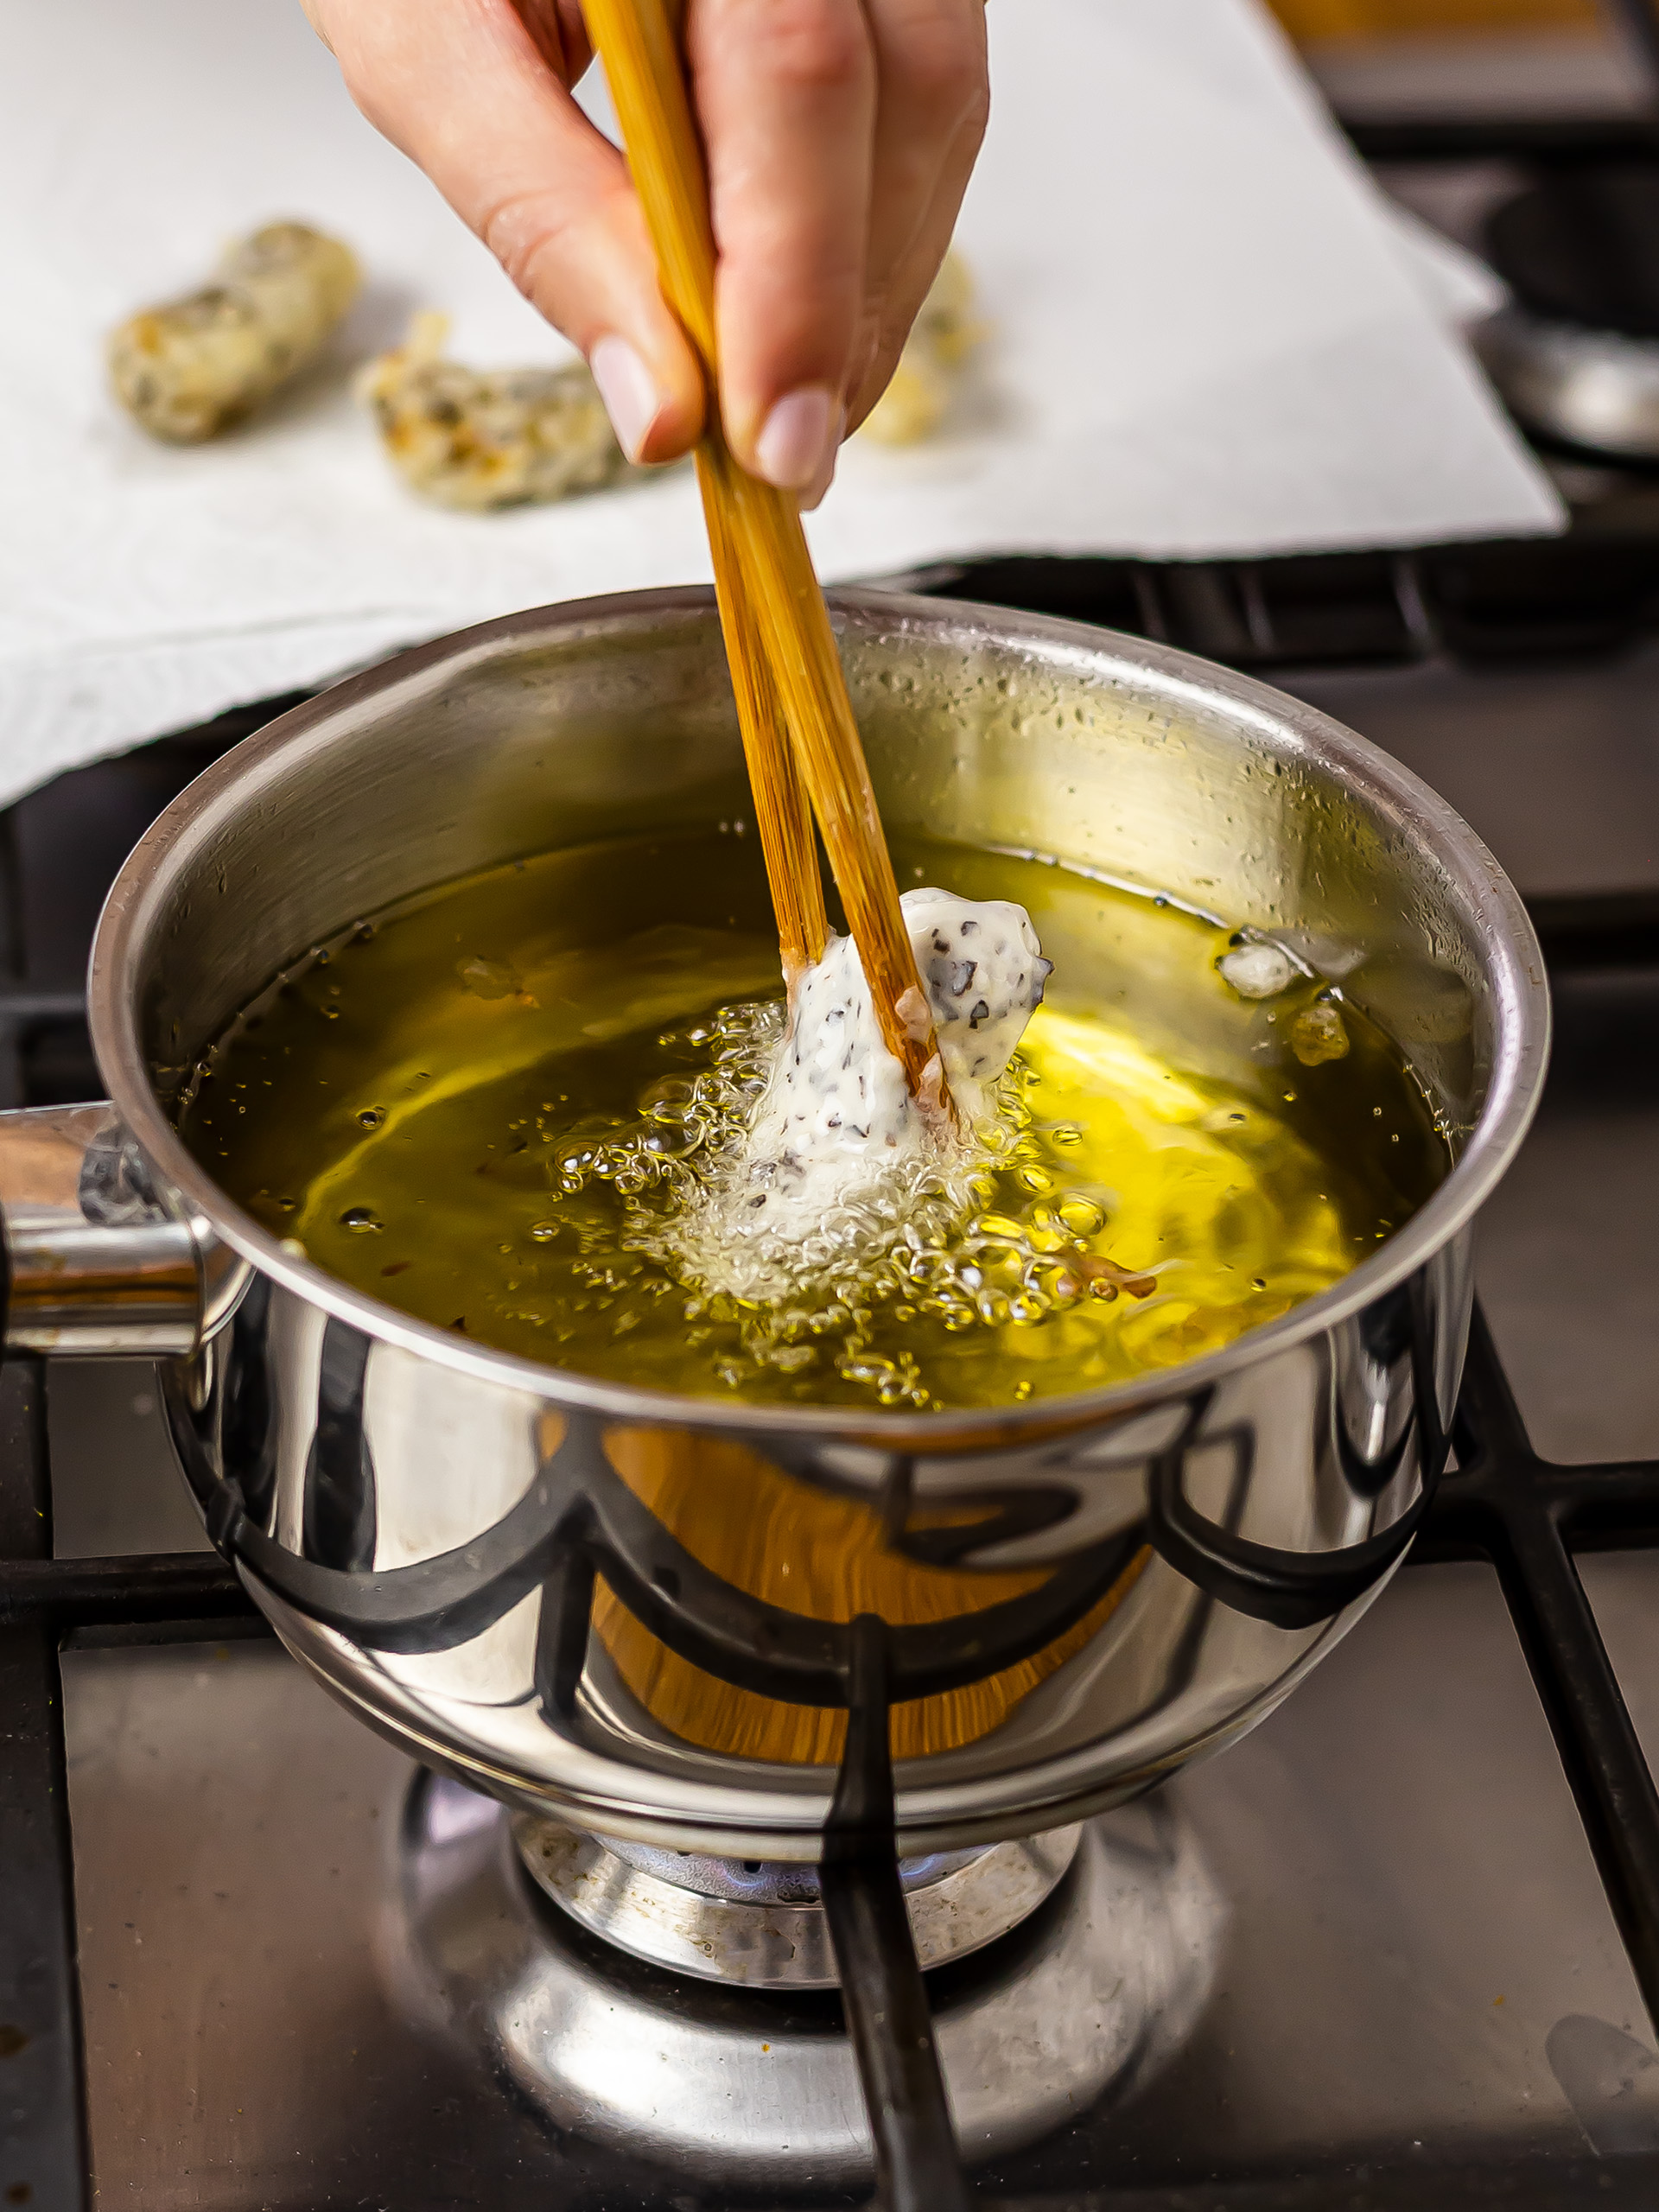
<point>1206,340</point>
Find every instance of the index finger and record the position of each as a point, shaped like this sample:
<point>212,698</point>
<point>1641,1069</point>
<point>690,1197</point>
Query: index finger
<point>475,94</point>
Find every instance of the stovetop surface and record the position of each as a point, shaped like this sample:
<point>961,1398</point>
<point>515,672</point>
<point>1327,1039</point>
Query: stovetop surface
<point>1421,1997</point>
<point>1420,1990</point>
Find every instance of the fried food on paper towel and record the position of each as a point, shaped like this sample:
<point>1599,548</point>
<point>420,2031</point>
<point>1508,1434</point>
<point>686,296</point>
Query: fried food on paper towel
<point>944,334</point>
<point>189,369</point>
<point>486,438</point>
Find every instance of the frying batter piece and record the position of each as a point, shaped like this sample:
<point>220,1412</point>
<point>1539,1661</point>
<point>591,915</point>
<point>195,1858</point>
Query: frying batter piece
<point>838,1095</point>
<point>478,439</point>
<point>837,1133</point>
<point>191,368</point>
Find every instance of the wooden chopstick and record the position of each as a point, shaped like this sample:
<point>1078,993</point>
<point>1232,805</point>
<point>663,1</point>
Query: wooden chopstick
<point>782,814</point>
<point>639,45</point>
<point>770,593</point>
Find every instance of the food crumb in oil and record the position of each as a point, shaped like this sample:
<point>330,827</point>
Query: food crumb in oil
<point>1317,1035</point>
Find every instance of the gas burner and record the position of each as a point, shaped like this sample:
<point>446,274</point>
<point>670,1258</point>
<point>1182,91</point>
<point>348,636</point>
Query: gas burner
<point>1098,1984</point>
<point>1598,389</point>
<point>761,1923</point>
<point>1577,355</point>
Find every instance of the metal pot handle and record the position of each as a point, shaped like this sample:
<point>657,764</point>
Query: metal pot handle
<point>1292,1589</point>
<point>100,1259</point>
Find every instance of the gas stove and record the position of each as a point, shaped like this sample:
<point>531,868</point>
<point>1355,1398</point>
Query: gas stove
<point>1401,1947</point>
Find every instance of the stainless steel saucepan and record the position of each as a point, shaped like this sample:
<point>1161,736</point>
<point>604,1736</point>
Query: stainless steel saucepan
<point>517,1572</point>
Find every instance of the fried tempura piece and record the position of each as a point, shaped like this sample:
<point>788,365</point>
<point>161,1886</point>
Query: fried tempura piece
<point>913,404</point>
<point>191,367</point>
<point>484,438</point>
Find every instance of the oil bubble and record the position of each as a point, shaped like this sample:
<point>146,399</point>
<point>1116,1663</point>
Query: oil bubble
<point>1082,1217</point>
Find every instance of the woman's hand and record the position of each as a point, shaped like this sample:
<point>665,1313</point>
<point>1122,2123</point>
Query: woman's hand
<point>840,137</point>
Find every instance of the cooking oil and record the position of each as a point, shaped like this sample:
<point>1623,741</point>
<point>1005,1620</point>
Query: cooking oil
<point>497,1106</point>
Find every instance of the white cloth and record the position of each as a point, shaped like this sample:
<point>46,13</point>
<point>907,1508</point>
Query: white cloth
<point>1206,340</point>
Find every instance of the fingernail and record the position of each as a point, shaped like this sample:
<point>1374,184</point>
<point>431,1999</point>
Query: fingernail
<point>798,437</point>
<point>813,495</point>
<point>628,390</point>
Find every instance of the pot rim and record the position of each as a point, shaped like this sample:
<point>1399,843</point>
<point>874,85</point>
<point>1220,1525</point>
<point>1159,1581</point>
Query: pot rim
<point>1517,973</point>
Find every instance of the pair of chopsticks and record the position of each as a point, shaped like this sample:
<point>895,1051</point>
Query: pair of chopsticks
<point>800,735</point>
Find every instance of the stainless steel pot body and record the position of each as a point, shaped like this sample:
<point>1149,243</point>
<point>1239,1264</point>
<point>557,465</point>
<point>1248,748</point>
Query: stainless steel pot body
<point>510,1568</point>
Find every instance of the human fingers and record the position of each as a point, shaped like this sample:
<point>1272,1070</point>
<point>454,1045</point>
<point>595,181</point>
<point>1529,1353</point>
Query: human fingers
<point>561,36</point>
<point>896,309</point>
<point>933,97</point>
<point>785,94</point>
<point>477,94</point>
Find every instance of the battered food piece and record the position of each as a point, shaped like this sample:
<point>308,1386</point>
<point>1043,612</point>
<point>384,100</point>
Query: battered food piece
<point>914,404</point>
<point>836,1138</point>
<point>838,1095</point>
<point>189,369</point>
<point>478,439</point>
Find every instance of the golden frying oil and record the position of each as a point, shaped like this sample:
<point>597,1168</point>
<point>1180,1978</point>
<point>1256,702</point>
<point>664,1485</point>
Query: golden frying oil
<point>485,1106</point>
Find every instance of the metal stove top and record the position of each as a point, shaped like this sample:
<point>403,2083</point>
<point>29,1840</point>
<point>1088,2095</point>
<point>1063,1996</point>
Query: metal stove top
<point>1430,1931</point>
